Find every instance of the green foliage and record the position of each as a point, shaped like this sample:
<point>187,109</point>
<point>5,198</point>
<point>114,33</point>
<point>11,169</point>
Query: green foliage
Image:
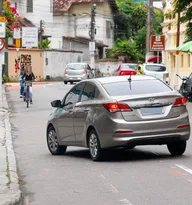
<point>131,24</point>
<point>45,43</point>
<point>5,78</point>
<point>185,6</point>
<point>124,47</point>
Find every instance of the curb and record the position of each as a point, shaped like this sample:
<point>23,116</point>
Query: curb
<point>15,193</point>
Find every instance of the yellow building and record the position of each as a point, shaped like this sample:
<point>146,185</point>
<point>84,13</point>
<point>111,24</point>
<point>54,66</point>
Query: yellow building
<point>176,64</point>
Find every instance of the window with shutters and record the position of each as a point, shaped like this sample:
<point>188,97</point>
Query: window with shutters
<point>29,6</point>
<point>108,29</point>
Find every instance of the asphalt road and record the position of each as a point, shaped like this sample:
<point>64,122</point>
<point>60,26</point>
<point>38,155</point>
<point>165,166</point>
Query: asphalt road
<point>143,176</point>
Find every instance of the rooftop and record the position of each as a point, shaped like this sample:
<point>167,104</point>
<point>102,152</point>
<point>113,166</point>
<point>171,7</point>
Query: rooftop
<point>60,6</point>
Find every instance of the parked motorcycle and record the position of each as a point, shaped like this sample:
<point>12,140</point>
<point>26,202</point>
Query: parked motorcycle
<point>186,87</point>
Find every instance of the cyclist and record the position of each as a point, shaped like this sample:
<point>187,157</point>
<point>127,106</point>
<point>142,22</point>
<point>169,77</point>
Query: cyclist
<point>29,76</point>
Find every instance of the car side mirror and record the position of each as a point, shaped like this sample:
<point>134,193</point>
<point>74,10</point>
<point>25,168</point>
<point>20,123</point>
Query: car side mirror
<point>56,103</point>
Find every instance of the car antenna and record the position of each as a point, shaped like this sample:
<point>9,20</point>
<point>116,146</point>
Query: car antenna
<point>129,79</point>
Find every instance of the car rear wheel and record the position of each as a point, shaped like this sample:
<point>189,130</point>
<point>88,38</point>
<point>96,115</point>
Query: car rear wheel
<point>177,148</point>
<point>52,143</point>
<point>94,146</point>
<point>65,82</point>
<point>71,82</point>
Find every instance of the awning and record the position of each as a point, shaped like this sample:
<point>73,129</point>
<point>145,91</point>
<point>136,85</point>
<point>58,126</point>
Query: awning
<point>186,47</point>
<point>154,59</point>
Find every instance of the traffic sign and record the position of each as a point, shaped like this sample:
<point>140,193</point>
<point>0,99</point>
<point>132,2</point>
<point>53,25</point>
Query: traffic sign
<point>157,43</point>
<point>3,19</point>
<point>2,44</point>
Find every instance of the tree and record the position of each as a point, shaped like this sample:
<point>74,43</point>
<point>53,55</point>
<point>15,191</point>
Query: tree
<point>131,23</point>
<point>11,15</point>
<point>124,47</point>
<point>185,7</point>
<point>45,43</point>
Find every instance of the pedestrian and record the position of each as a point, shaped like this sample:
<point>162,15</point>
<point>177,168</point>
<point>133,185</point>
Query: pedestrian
<point>21,82</point>
<point>139,71</point>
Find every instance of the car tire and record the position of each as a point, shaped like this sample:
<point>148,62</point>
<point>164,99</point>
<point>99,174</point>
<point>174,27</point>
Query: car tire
<point>177,148</point>
<point>65,82</point>
<point>52,143</point>
<point>71,82</point>
<point>94,146</point>
<point>129,147</point>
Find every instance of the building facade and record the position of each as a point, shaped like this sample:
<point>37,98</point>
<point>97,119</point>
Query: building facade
<point>177,63</point>
<point>69,18</point>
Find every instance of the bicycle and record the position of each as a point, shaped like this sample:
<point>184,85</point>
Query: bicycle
<point>27,93</point>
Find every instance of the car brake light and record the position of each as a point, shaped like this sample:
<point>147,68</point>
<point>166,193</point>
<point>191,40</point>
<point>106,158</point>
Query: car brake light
<point>183,126</point>
<point>124,132</point>
<point>65,72</point>
<point>180,101</point>
<point>117,107</point>
<point>84,71</point>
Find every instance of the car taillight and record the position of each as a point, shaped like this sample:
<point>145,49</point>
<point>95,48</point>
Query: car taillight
<point>180,101</point>
<point>84,71</point>
<point>65,72</point>
<point>117,107</point>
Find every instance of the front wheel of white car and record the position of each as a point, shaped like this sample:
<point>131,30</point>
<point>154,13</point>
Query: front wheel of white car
<point>53,144</point>
<point>177,148</point>
<point>94,146</point>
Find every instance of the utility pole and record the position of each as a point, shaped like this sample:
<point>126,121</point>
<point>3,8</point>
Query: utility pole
<point>92,37</point>
<point>1,7</point>
<point>41,34</point>
<point>1,53</point>
<point>149,28</point>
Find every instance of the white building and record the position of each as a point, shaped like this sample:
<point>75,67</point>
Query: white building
<point>70,18</point>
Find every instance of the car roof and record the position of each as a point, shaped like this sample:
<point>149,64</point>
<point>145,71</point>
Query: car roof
<point>160,64</point>
<point>114,79</point>
<point>76,63</point>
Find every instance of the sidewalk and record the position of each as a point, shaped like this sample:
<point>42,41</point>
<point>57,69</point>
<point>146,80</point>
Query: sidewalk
<point>34,83</point>
<point>10,193</point>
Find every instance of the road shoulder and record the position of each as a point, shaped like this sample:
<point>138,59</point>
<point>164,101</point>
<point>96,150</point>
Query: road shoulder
<point>10,193</point>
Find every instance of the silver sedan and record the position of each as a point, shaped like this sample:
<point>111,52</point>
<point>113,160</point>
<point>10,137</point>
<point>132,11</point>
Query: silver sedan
<point>121,111</point>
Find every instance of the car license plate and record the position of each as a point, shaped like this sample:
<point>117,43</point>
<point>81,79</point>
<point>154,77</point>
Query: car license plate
<point>152,111</point>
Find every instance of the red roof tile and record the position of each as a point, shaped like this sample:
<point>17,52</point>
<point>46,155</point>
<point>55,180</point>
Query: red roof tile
<point>64,5</point>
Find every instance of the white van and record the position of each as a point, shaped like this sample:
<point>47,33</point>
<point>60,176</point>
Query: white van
<point>157,70</point>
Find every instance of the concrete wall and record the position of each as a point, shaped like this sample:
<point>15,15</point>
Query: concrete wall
<point>107,68</point>
<point>57,61</point>
<point>72,45</point>
<point>35,57</point>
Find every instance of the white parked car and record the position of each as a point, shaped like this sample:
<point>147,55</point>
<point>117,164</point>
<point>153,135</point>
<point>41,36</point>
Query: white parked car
<point>157,70</point>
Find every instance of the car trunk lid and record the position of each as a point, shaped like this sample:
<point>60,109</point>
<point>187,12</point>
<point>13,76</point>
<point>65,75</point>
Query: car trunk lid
<point>152,107</point>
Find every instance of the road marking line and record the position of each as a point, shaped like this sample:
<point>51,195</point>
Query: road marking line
<point>176,171</point>
<point>101,176</point>
<point>184,168</point>
<point>125,201</point>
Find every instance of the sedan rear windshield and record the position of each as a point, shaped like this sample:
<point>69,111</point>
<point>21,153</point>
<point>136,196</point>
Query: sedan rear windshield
<point>75,67</point>
<point>155,68</point>
<point>137,87</point>
<point>125,67</point>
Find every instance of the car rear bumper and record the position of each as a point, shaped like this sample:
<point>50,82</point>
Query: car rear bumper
<point>145,133</point>
<point>69,78</point>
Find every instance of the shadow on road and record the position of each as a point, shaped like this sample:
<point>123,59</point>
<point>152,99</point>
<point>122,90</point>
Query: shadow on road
<point>119,155</point>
